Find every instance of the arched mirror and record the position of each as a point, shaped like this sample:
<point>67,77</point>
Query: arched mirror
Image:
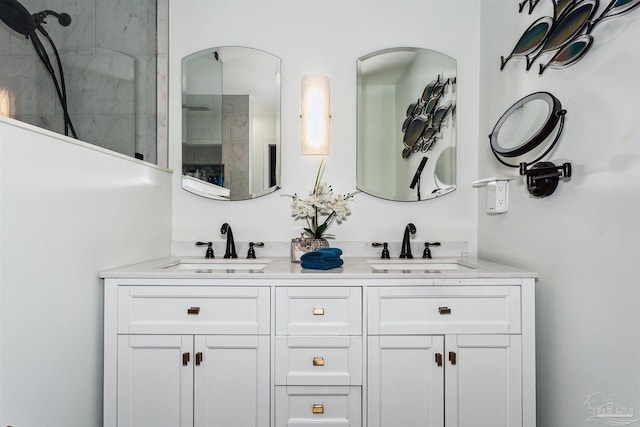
<point>231,123</point>
<point>406,127</point>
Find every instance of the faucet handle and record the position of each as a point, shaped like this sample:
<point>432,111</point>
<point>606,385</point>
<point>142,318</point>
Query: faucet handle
<point>427,251</point>
<point>385,249</point>
<point>209,245</point>
<point>252,252</point>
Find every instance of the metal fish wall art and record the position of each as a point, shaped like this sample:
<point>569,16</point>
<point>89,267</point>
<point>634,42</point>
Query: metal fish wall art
<point>566,36</point>
<point>424,117</point>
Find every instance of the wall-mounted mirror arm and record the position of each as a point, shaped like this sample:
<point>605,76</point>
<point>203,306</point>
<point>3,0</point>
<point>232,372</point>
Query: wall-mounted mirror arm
<point>543,177</point>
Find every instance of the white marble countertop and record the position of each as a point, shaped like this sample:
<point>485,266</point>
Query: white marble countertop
<point>283,268</point>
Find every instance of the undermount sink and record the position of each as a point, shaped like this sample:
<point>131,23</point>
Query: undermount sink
<point>419,265</point>
<point>218,265</point>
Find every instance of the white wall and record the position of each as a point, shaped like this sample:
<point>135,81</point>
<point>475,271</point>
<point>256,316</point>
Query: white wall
<point>327,36</point>
<point>376,136</point>
<point>67,211</point>
<point>583,239</point>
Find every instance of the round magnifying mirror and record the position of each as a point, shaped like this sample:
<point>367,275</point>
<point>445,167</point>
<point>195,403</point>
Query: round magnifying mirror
<point>526,124</point>
<point>442,172</point>
<point>445,162</point>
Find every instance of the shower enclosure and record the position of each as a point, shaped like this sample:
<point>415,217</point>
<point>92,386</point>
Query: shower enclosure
<point>109,54</point>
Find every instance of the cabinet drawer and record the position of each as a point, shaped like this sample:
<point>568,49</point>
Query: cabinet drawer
<point>444,310</point>
<point>325,406</point>
<point>319,311</point>
<point>318,360</point>
<point>193,310</point>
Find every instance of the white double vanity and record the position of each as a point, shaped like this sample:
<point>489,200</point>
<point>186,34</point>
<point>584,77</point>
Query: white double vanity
<point>377,343</point>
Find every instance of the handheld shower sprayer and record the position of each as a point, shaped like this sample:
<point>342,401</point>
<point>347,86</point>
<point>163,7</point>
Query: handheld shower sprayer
<point>63,18</point>
<point>18,18</point>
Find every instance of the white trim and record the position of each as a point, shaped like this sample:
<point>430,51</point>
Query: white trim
<point>63,138</point>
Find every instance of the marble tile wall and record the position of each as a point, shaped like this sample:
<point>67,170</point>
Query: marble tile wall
<point>200,126</point>
<point>110,56</point>
<point>235,144</point>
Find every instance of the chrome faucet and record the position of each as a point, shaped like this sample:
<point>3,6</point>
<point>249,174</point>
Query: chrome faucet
<point>230,251</point>
<point>405,252</point>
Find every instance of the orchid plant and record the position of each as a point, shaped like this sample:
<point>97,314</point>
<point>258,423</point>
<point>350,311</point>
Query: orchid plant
<point>321,208</point>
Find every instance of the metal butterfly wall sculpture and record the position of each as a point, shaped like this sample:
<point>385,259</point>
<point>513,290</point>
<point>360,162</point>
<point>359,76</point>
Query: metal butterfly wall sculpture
<point>567,34</point>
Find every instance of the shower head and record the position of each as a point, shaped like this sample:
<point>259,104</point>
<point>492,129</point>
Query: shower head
<point>63,18</point>
<point>17,17</point>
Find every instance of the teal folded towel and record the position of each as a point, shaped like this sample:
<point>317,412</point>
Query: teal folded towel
<point>324,253</point>
<point>322,259</point>
<point>322,264</point>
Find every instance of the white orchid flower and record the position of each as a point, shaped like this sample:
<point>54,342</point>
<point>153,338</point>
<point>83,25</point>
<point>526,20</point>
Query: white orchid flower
<point>320,203</point>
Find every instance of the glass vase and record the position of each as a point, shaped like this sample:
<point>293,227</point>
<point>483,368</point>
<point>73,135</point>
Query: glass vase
<point>302,245</point>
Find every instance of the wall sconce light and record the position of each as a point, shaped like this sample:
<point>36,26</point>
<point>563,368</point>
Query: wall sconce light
<point>315,115</point>
<point>5,103</point>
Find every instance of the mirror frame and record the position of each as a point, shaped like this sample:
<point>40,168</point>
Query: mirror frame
<point>543,130</point>
<point>553,123</point>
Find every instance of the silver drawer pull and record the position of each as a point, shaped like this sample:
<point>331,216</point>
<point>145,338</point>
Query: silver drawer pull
<point>318,311</point>
<point>318,361</point>
<point>444,310</point>
<point>318,408</point>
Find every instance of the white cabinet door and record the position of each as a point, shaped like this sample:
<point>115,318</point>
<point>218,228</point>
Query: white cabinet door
<point>201,381</point>
<point>406,382</point>
<point>478,383</point>
<point>232,381</point>
<point>483,381</point>
<point>155,381</point>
